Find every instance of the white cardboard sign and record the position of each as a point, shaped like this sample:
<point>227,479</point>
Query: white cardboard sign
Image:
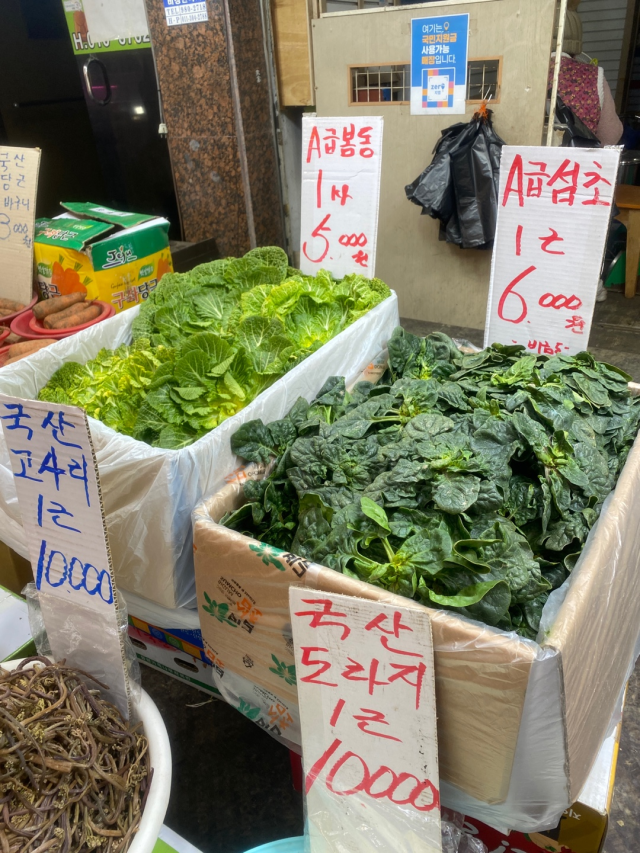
<point>341,162</point>
<point>110,20</point>
<point>366,692</point>
<point>554,207</point>
<point>58,490</point>
<point>18,186</point>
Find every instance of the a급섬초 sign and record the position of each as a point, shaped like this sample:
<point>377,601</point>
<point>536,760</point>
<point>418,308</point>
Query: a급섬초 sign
<point>554,208</point>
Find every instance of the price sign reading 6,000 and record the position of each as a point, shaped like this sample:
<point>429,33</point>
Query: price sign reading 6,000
<point>341,162</point>
<point>553,215</point>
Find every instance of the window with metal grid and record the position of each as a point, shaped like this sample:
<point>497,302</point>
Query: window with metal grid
<point>375,83</point>
<point>392,83</point>
<point>483,79</point>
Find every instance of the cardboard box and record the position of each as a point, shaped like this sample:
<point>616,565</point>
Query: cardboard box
<point>15,634</point>
<point>173,662</point>
<point>170,842</point>
<point>15,571</point>
<point>116,257</point>
<point>178,628</point>
<point>583,826</point>
<point>519,724</point>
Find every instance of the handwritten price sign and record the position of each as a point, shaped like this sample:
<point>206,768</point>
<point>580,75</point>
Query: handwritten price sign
<point>553,216</point>
<point>58,490</point>
<point>341,160</point>
<point>18,183</point>
<point>367,712</point>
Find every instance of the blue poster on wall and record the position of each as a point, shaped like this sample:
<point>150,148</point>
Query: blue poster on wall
<point>439,48</point>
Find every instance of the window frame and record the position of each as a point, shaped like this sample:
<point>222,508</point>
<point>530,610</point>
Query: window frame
<point>353,103</point>
<point>350,88</point>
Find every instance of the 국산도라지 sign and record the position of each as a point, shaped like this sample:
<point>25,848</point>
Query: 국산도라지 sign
<point>366,692</point>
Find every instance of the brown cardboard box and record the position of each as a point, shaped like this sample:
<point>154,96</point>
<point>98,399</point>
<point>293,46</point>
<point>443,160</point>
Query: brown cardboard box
<point>519,724</point>
<point>15,571</point>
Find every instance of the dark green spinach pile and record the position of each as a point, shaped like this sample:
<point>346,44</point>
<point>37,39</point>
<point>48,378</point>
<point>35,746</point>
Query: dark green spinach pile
<point>466,482</point>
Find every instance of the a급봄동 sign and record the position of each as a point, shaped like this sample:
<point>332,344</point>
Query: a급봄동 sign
<point>341,162</point>
<point>56,480</point>
<point>439,48</point>
<point>367,711</point>
<point>554,208</point>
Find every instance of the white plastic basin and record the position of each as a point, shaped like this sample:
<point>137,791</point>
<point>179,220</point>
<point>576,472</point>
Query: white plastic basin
<point>160,758</point>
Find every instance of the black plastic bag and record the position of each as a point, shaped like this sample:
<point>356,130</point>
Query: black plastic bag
<point>576,134</point>
<point>460,186</point>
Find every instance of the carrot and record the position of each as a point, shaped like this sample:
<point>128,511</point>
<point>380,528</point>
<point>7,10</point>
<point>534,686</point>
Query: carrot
<point>28,347</point>
<point>53,320</point>
<point>12,338</point>
<point>77,319</point>
<point>57,303</point>
<point>24,355</point>
<point>11,305</point>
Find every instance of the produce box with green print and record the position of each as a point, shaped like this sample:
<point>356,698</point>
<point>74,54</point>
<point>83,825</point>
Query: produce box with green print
<point>498,490</point>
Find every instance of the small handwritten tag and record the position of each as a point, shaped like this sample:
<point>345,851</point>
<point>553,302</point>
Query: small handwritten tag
<point>18,185</point>
<point>367,710</point>
<point>58,490</point>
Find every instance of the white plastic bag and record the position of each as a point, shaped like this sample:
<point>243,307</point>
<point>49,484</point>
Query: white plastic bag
<point>149,493</point>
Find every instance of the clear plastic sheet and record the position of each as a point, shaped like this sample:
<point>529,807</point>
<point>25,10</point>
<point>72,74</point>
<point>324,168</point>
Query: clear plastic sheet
<point>149,493</point>
<point>394,828</point>
<point>69,638</point>
<point>520,723</point>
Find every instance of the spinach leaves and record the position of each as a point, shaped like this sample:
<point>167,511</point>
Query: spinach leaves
<point>466,482</point>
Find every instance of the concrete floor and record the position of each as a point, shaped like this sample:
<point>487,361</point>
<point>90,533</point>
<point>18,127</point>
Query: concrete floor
<point>232,787</point>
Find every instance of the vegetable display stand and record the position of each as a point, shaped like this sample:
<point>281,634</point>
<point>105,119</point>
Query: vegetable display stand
<point>160,759</point>
<point>520,723</point>
<point>149,493</point>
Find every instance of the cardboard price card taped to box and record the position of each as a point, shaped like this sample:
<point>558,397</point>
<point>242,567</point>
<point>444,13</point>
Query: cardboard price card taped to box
<point>56,479</point>
<point>341,162</point>
<point>18,186</point>
<point>365,680</point>
<point>554,207</point>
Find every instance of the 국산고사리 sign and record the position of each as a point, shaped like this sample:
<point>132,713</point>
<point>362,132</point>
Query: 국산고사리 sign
<point>554,208</point>
<point>439,48</point>
<point>56,480</point>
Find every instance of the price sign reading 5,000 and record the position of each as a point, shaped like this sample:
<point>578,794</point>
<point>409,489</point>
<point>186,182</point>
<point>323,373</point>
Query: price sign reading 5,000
<point>341,162</point>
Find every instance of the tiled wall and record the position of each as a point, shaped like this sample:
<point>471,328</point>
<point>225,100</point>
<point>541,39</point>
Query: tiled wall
<point>224,163</point>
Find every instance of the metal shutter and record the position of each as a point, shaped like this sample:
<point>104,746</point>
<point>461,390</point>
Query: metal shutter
<point>603,27</point>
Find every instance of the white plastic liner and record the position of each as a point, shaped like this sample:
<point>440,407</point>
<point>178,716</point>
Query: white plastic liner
<point>149,493</point>
<point>520,723</point>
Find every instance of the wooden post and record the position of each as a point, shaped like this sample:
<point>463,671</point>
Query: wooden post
<point>556,71</point>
